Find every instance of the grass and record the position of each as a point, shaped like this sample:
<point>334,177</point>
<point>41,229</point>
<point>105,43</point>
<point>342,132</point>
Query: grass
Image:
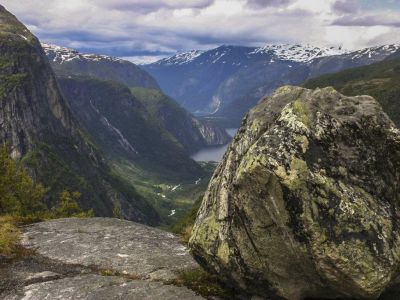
<point>204,284</point>
<point>9,236</point>
<point>184,226</point>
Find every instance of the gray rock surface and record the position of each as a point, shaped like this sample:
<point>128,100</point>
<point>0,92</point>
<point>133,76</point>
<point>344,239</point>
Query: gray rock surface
<point>96,287</point>
<point>97,258</point>
<point>305,203</point>
<point>111,244</point>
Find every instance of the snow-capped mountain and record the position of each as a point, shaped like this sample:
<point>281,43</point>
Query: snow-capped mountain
<point>377,51</point>
<point>298,53</point>
<point>228,80</point>
<point>180,58</point>
<point>61,55</point>
<point>68,61</point>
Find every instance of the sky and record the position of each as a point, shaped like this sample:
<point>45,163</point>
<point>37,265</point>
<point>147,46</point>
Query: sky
<point>144,30</point>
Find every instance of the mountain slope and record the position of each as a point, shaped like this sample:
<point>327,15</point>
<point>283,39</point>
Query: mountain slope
<point>122,127</point>
<point>38,126</point>
<point>192,133</point>
<point>380,80</point>
<point>228,80</point>
<point>67,61</point>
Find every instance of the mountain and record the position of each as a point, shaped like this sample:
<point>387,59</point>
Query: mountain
<point>38,126</point>
<point>122,127</point>
<point>380,80</point>
<point>67,61</point>
<point>228,80</point>
<point>192,133</point>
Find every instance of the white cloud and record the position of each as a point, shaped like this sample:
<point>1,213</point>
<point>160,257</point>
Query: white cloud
<point>158,27</point>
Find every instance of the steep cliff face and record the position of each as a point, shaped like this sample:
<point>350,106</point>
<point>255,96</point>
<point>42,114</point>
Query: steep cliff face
<point>31,106</point>
<point>38,126</point>
<point>306,199</point>
<point>123,128</point>
<point>67,61</point>
<point>192,133</point>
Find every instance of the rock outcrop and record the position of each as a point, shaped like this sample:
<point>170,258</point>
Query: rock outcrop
<point>98,258</point>
<point>305,203</point>
<point>111,244</point>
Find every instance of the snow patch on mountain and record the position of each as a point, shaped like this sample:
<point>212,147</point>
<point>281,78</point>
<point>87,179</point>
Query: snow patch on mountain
<point>376,51</point>
<point>62,54</point>
<point>297,53</point>
<point>181,58</point>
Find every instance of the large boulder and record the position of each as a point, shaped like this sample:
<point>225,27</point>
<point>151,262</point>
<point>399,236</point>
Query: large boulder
<point>305,203</point>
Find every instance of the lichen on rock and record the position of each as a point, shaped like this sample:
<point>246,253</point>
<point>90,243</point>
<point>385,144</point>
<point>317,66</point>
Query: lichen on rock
<point>305,201</point>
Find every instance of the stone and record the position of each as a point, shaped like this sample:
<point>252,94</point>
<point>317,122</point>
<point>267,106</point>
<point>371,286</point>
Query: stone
<point>41,276</point>
<point>112,245</point>
<point>96,287</point>
<point>305,203</point>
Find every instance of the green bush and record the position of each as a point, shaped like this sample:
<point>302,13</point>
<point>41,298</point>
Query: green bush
<point>68,206</point>
<point>19,194</point>
<point>22,202</point>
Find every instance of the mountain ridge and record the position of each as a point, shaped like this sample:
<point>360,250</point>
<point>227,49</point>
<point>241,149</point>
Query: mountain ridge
<point>68,61</point>
<point>228,80</point>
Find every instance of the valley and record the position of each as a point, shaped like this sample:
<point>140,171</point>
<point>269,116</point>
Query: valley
<point>245,171</point>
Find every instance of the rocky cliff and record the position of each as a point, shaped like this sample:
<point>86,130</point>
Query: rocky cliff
<point>305,203</point>
<point>37,124</point>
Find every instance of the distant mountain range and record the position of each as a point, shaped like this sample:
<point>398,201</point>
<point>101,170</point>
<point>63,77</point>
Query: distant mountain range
<point>227,81</point>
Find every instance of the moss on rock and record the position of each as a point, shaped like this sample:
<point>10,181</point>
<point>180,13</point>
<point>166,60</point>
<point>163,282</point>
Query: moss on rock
<point>309,193</point>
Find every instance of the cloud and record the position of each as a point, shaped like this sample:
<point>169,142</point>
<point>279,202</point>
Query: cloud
<point>161,27</point>
<point>146,6</point>
<point>346,6</point>
<point>267,3</point>
<point>390,20</point>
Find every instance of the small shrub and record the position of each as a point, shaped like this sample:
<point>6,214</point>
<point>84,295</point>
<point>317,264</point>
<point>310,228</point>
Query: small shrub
<point>184,225</point>
<point>68,206</point>
<point>117,213</point>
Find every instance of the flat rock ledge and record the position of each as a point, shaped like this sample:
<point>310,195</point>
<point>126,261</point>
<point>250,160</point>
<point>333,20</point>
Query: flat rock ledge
<point>142,260</point>
<point>96,287</point>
